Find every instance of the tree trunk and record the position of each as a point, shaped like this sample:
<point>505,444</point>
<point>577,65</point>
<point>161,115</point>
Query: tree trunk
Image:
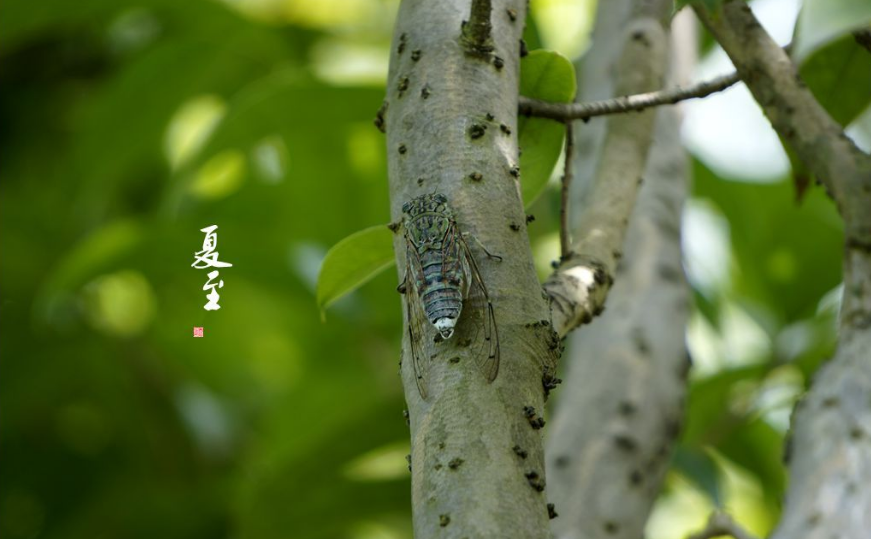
<point>477,460</point>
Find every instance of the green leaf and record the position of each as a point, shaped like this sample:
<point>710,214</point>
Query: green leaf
<point>548,76</point>
<point>823,21</point>
<point>353,262</point>
<point>94,254</point>
<point>839,75</point>
<point>806,242</point>
<point>708,416</point>
<point>697,466</point>
<point>710,5</point>
<point>757,447</point>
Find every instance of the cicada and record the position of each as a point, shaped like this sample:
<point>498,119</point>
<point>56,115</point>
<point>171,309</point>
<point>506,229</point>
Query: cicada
<point>441,277</point>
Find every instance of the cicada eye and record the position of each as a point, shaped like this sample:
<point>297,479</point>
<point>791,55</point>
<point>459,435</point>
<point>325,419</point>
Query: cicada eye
<point>441,199</point>
<point>406,207</point>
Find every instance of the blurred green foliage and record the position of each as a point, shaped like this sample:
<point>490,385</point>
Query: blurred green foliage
<point>129,125</point>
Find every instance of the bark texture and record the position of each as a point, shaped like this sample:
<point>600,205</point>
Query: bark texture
<point>477,459</point>
<point>620,409</point>
<point>830,465</point>
<point>579,286</point>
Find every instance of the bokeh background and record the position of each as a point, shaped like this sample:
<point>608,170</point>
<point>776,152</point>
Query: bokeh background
<point>126,126</point>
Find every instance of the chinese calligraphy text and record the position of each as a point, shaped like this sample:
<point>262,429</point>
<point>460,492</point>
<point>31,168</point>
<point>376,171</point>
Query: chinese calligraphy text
<point>208,258</point>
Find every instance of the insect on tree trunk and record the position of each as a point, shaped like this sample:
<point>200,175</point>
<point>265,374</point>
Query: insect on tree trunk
<point>476,448</point>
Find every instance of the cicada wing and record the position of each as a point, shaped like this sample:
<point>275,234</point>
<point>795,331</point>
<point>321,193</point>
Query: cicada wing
<point>415,318</point>
<point>485,334</point>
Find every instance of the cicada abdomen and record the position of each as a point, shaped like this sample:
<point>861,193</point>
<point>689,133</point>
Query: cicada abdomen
<point>441,275</point>
<point>439,278</point>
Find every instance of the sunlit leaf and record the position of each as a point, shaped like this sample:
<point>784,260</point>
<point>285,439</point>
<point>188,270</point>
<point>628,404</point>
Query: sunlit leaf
<point>354,261</point>
<point>219,176</point>
<point>548,76</point>
<point>121,303</point>
<point>385,463</point>
<point>191,126</point>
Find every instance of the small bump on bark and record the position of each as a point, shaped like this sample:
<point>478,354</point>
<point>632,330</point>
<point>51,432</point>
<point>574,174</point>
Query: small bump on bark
<point>401,47</point>
<point>379,121</point>
<point>626,408</point>
<point>477,131</point>
<point>551,511</point>
<point>625,442</point>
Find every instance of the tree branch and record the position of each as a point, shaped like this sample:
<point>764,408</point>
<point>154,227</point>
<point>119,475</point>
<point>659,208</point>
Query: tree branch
<point>637,102</point>
<point>476,31</point>
<point>620,408</point>
<point>720,524</point>
<point>830,463</point>
<point>580,284</point>
<point>564,194</point>
<point>467,480</point>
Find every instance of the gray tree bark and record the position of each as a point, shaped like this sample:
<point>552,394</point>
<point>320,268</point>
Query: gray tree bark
<point>579,286</point>
<point>477,459</point>
<point>620,409</point>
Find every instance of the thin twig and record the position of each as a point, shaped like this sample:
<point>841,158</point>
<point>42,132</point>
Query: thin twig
<point>564,242</point>
<point>721,524</point>
<point>476,31</point>
<point>638,102</point>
